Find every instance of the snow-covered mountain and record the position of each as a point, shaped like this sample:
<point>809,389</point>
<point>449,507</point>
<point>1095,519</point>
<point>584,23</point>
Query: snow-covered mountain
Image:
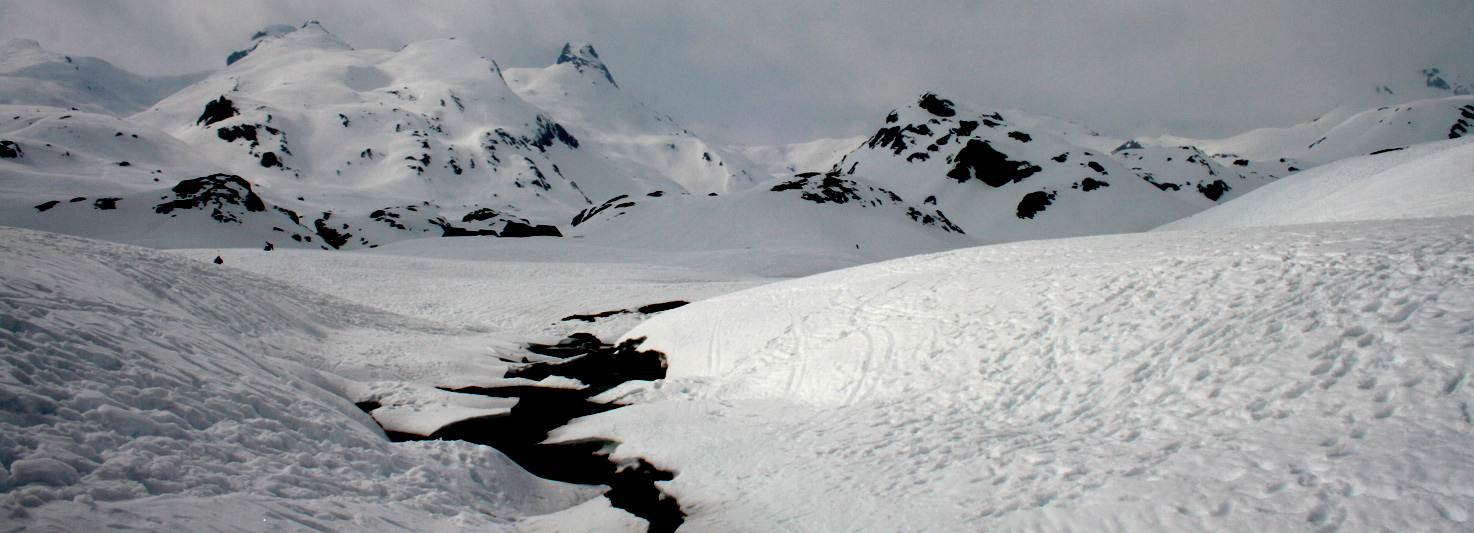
<point>306,141</point>
<point>30,75</point>
<point>988,175</point>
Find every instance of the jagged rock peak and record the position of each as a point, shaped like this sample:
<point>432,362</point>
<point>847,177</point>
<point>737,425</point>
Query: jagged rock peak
<point>584,57</point>
<point>310,33</point>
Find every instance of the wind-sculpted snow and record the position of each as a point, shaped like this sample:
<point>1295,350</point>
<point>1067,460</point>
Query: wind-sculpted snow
<point>145,390</point>
<point>1307,377</point>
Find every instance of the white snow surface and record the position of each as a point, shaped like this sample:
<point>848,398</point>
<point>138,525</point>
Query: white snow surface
<point>142,390</point>
<point>1258,379</point>
<point>1423,180</point>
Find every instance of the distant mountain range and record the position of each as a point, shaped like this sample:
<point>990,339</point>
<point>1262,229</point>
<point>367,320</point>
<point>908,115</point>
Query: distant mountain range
<point>304,141</point>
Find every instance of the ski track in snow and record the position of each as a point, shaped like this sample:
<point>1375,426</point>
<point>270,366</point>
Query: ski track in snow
<point>1309,377</point>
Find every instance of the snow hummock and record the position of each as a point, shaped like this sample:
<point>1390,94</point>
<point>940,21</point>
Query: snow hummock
<point>1257,379</point>
<point>141,388</point>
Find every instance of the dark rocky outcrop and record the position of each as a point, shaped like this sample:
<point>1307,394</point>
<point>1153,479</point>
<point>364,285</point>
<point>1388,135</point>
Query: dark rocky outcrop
<point>216,191</point>
<point>978,160</point>
<point>1033,203</point>
<point>216,111</point>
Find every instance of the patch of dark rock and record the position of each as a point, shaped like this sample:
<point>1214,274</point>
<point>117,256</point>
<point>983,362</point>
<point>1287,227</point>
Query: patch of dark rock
<point>124,164</point>
<point>656,194</point>
<point>217,191</point>
<point>1061,157</point>
<point>918,156</point>
<point>47,205</point>
<point>1033,203</point>
<point>1159,185</point>
<point>829,189</point>
<point>1385,151</point>
<point>937,106</point>
<point>965,128</point>
<point>1097,168</point>
<point>216,111</point>
<point>518,229</point>
<point>1214,191</point>
<point>368,406</point>
<point>474,216</point>
<point>10,150</point>
<point>78,199</point>
<point>1090,184</point>
<point>329,235</point>
<point>978,160</point>
<point>930,200</point>
<point>269,247</point>
<point>1241,162</point>
<point>1020,136</point>
<point>270,159</point>
<point>892,117</point>
<point>219,260</point>
<point>105,204</point>
<point>239,131</point>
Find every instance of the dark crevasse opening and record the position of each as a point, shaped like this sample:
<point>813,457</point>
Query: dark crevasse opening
<point>539,410</point>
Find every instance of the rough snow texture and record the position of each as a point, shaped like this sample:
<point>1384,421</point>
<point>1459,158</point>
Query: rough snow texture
<point>142,389</point>
<point>1426,180</point>
<point>1264,379</point>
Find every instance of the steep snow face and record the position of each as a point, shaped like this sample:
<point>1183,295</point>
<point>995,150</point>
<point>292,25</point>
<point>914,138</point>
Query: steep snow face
<point>622,135</point>
<point>1252,380</point>
<point>30,75</point>
<point>141,389</point>
<point>1423,180</point>
<point>999,181</point>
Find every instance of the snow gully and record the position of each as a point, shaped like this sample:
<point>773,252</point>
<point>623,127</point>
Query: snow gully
<point>539,410</point>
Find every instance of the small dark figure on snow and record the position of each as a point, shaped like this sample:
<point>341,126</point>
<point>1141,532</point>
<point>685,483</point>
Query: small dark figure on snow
<point>219,261</point>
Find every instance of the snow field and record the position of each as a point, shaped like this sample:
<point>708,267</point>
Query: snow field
<point>144,390</point>
<point>1262,379</point>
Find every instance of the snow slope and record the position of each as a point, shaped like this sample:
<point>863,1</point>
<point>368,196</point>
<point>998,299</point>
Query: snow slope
<point>144,390</point>
<point>30,75</point>
<point>1259,379</point>
<point>1346,131</point>
<point>1423,180</point>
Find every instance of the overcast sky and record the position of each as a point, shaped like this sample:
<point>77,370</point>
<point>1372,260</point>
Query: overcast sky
<point>762,72</point>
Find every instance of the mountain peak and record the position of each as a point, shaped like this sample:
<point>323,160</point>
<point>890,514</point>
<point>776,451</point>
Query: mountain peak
<point>16,54</point>
<point>310,33</point>
<point>584,57</point>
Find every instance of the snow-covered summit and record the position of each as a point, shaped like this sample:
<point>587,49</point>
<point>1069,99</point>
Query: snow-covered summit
<point>311,35</point>
<point>584,57</point>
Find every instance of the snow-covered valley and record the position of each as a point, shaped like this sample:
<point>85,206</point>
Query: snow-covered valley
<point>969,320</point>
